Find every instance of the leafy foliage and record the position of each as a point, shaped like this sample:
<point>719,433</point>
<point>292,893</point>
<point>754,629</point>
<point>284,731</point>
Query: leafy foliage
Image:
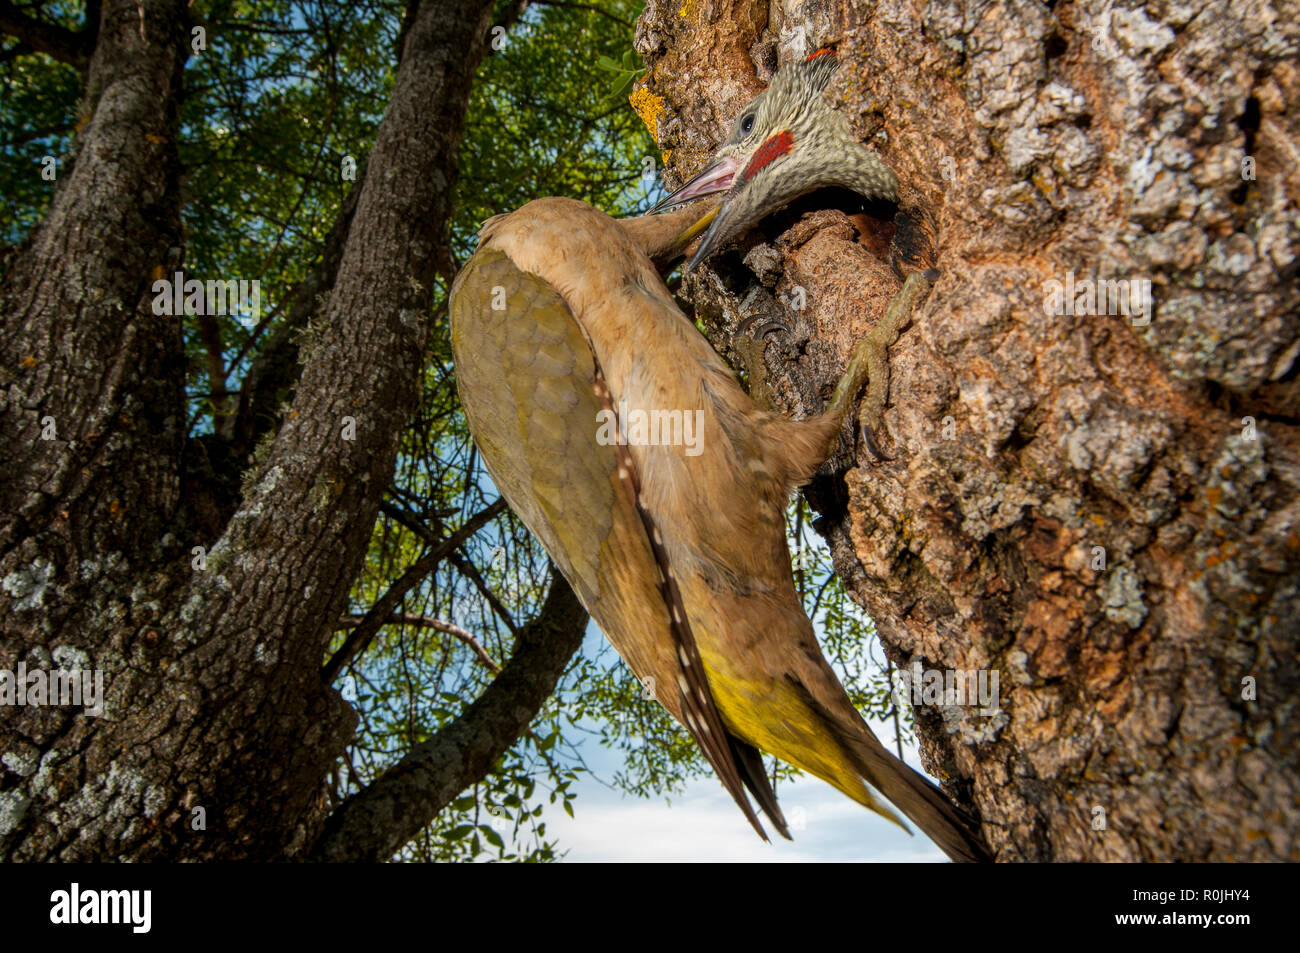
<point>38,114</point>
<point>627,71</point>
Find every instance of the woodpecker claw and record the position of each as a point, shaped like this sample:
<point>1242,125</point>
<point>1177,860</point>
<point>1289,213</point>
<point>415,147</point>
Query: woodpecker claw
<point>757,331</point>
<point>750,344</point>
<point>869,438</point>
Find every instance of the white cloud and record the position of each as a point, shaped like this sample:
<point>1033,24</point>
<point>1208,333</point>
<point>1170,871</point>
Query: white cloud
<point>704,824</point>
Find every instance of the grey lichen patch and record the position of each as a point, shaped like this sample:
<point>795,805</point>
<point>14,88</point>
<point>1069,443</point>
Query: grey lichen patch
<point>265,486</point>
<point>993,506</point>
<point>118,796</point>
<point>261,453</point>
<point>13,808</point>
<point>1044,133</point>
<point>1114,444</point>
<point>71,658</point>
<point>143,599</point>
<point>191,608</point>
<point>1241,466</point>
<point>765,262</point>
<point>1018,666</point>
<point>1139,34</point>
<point>993,409</point>
<point>968,726</point>
<point>29,584</point>
<point>1121,597</point>
<point>23,760</point>
<point>220,556</point>
<point>88,570</point>
<point>1223,328</point>
<point>1233,255</point>
<point>155,799</point>
<point>1154,190</point>
<point>1178,245</point>
<point>44,783</point>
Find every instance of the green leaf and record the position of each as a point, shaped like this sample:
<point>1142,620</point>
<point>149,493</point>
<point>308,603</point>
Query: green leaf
<point>622,88</point>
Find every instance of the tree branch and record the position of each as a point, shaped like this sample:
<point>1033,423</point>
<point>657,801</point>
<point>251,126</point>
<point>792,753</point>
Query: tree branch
<point>374,824</point>
<point>213,351</point>
<point>67,46</point>
<point>470,571</point>
<point>590,8</point>
<point>378,614</point>
<point>275,370</point>
<point>463,565</point>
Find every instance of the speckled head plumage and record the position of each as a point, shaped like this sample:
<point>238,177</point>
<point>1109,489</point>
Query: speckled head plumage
<point>786,142</point>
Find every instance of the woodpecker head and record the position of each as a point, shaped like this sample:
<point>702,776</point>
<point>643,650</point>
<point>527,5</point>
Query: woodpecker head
<point>786,143</point>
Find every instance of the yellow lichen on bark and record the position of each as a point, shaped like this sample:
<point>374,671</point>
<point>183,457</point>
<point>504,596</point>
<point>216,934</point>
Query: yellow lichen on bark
<point>648,106</point>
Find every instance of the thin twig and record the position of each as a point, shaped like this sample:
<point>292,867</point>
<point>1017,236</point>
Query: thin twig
<point>384,607</point>
<point>430,622</point>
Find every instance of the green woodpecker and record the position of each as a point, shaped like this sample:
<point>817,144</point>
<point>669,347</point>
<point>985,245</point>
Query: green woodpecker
<point>655,483</point>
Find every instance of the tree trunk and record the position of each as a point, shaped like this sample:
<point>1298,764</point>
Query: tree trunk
<point>1102,509</point>
<point>218,730</point>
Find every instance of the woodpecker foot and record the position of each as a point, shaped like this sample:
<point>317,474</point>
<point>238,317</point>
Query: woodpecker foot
<point>869,363</point>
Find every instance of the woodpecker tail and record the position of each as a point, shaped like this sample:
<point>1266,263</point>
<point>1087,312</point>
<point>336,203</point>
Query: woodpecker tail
<point>923,803</point>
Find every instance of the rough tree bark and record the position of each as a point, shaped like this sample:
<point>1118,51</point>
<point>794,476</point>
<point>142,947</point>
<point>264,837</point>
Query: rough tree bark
<point>212,667</point>
<point>1108,140</point>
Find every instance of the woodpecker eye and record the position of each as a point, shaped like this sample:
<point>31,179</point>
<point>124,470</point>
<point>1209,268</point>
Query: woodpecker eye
<point>747,124</point>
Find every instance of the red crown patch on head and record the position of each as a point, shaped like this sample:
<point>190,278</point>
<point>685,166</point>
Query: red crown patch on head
<point>824,51</point>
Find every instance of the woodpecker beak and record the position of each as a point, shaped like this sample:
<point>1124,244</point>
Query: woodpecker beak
<point>715,177</point>
<point>688,236</point>
<point>719,229</point>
